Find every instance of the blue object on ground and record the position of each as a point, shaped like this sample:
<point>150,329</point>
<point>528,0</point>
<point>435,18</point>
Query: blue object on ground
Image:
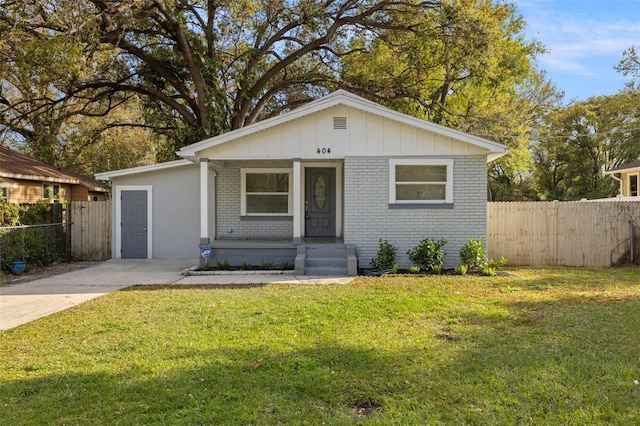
<point>18,267</point>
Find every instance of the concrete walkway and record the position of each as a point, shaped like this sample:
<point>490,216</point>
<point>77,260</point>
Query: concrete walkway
<point>24,302</point>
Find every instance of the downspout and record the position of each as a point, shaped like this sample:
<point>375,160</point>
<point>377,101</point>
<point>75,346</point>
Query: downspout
<point>619,180</point>
<point>632,238</point>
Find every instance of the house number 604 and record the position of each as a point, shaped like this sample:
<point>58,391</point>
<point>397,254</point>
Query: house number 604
<point>323,151</point>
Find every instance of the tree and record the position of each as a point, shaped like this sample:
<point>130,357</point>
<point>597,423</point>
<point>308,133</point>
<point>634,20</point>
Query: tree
<point>629,65</point>
<point>203,67</point>
<point>578,143</point>
<point>466,65</point>
<point>38,71</point>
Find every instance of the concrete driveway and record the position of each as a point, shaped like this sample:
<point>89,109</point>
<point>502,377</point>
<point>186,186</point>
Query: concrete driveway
<point>27,301</point>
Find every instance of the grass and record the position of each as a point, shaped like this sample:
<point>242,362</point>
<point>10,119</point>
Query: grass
<point>549,346</point>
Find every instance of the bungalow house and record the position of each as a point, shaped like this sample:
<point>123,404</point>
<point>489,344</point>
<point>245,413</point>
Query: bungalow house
<point>628,175</point>
<point>26,180</point>
<point>317,187</point>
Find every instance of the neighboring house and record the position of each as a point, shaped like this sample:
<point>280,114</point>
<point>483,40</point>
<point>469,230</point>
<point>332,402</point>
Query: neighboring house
<point>26,180</point>
<point>628,175</point>
<point>318,186</point>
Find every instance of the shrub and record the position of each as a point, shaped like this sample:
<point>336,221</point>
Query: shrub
<point>394,268</point>
<point>286,266</point>
<point>474,255</point>
<point>488,271</point>
<point>223,265</point>
<point>497,264</point>
<point>206,265</point>
<point>461,269</point>
<point>266,265</point>
<point>386,256</point>
<point>428,254</point>
<point>9,214</point>
<point>245,265</point>
<point>414,269</point>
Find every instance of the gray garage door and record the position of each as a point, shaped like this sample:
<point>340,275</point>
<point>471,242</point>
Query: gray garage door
<point>134,224</point>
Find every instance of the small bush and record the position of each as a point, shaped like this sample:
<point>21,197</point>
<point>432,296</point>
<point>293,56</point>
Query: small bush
<point>497,264</point>
<point>245,266</point>
<point>461,269</point>
<point>474,255</point>
<point>386,256</point>
<point>394,268</point>
<point>266,265</point>
<point>429,255</point>
<point>414,269</point>
<point>488,271</point>
<point>206,265</point>
<point>286,266</point>
<point>223,265</point>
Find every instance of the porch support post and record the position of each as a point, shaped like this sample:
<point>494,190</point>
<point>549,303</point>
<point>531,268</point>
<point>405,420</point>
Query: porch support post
<point>297,201</point>
<point>204,201</point>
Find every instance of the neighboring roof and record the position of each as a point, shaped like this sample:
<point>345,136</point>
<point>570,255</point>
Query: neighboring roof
<point>632,166</point>
<point>342,97</point>
<point>14,165</point>
<point>142,169</point>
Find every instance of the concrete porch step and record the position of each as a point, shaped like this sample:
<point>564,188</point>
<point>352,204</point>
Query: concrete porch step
<point>326,271</point>
<point>326,259</point>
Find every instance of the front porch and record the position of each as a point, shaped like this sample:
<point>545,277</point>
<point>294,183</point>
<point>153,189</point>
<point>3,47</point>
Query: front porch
<point>313,256</point>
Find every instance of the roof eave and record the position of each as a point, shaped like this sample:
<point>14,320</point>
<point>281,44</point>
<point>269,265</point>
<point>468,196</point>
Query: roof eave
<point>142,169</point>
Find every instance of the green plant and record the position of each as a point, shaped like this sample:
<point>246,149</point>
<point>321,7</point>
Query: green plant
<point>497,264</point>
<point>206,265</point>
<point>266,265</point>
<point>394,268</point>
<point>223,265</point>
<point>386,256</point>
<point>488,271</point>
<point>461,269</point>
<point>414,269</point>
<point>245,265</point>
<point>9,214</point>
<point>429,255</point>
<point>286,266</point>
<point>473,255</point>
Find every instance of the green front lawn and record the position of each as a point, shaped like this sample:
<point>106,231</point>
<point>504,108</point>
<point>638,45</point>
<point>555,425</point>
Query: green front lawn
<point>548,346</point>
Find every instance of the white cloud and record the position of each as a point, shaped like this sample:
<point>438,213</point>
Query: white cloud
<point>585,40</point>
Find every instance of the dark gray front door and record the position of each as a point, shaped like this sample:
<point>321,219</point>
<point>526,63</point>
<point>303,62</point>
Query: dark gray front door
<point>320,202</point>
<point>134,224</point>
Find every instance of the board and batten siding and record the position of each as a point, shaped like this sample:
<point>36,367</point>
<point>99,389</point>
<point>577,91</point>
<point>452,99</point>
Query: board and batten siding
<point>368,217</point>
<point>366,134</point>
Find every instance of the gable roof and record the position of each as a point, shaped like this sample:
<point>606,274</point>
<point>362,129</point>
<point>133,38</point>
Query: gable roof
<point>342,97</point>
<point>14,165</point>
<point>632,166</point>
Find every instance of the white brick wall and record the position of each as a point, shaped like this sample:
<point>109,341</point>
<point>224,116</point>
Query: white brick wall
<point>367,216</point>
<point>229,225</point>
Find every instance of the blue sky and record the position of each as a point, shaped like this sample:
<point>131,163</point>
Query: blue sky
<point>585,39</point>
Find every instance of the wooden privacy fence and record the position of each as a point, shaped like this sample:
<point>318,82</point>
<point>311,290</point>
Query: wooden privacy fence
<point>90,229</point>
<point>596,234</point>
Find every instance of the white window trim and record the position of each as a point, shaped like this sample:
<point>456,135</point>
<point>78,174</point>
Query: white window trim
<point>243,191</point>
<point>2,197</point>
<point>52,197</point>
<point>421,162</point>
